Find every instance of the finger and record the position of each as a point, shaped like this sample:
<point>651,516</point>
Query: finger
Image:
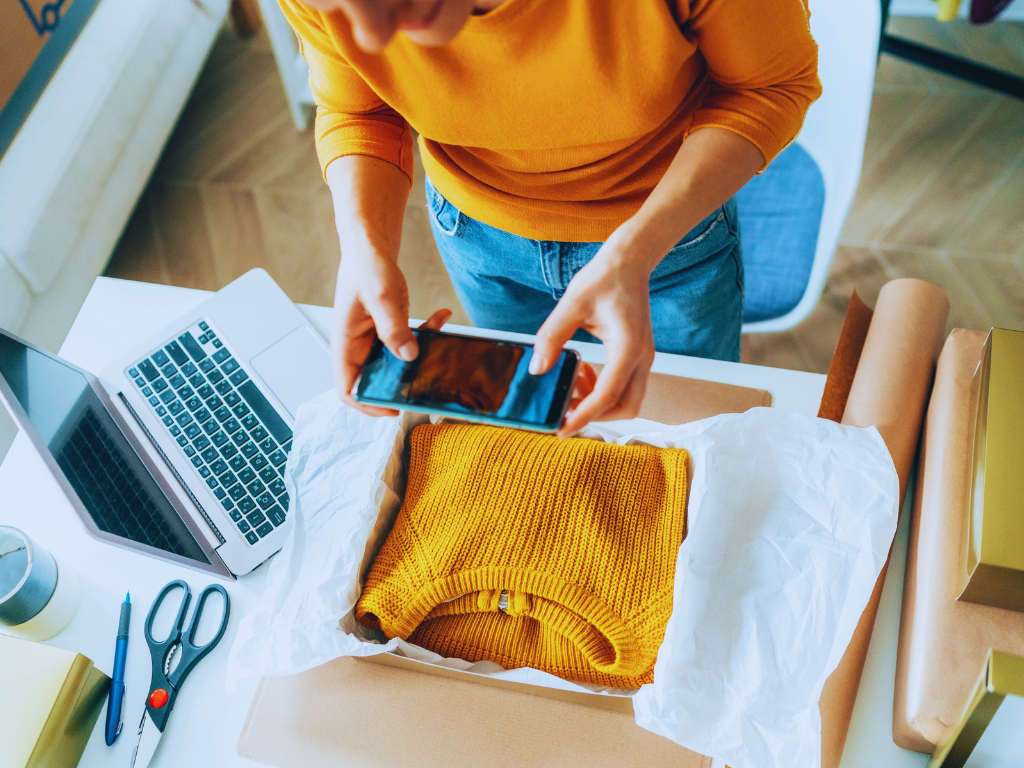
<point>584,385</point>
<point>392,324</point>
<point>632,398</point>
<point>620,365</point>
<point>561,324</point>
<point>369,410</point>
<point>436,320</point>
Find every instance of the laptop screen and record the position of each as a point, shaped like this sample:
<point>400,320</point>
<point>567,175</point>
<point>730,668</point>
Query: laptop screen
<point>113,484</point>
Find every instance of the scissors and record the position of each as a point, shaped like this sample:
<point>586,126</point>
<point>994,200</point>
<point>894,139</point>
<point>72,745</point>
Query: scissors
<point>166,682</point>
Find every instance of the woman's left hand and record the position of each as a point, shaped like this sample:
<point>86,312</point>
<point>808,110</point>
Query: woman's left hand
<point>609,298</point>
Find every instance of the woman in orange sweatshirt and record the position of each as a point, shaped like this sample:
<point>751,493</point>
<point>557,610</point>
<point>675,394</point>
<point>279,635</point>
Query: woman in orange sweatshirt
<point>581,159</point>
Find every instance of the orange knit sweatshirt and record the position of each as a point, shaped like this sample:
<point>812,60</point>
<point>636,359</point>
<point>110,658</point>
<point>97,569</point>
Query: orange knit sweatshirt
<point>554,119</point>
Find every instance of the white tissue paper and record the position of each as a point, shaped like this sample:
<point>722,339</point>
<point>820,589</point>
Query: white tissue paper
<point>790,521</point>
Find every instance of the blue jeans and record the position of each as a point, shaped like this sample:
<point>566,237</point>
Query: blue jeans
<point>511,283</point>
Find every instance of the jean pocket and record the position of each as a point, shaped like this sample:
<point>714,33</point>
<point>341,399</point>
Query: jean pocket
<point>449,219</point>
<point>708,239</point>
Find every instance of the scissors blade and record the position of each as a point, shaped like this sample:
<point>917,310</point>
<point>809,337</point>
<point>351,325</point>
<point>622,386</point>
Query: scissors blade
<point>149,737</point>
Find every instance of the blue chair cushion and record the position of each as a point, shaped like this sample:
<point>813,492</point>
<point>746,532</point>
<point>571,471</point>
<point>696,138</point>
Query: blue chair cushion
<point>780,214</point>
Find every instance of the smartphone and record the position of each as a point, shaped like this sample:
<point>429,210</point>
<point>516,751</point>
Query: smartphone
<point>471,378</point>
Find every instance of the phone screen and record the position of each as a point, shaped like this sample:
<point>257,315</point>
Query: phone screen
<point>463,375</point>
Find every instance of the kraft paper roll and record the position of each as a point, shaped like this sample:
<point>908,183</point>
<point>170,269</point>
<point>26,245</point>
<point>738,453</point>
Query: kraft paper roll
<point>889,391</point>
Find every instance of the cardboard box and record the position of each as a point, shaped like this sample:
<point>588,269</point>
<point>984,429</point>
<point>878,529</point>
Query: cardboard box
<point>989,732</point>
<point>34,37</point>
<point>992,563</point>
<point>50,701</point>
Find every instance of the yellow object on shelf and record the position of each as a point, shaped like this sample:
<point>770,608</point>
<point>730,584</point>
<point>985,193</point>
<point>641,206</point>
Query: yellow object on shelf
<point>50,701</point>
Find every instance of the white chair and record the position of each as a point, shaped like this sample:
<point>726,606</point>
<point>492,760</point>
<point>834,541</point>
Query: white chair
<point>834,131</point>
<point>293,68</point>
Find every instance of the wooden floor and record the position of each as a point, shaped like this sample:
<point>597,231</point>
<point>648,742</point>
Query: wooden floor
<point>941,196</point>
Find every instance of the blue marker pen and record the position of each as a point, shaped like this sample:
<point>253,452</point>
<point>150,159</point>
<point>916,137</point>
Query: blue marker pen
<point>117,687</point>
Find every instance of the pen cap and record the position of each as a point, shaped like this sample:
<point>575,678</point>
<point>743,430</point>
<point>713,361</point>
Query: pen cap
<point>38,596</point>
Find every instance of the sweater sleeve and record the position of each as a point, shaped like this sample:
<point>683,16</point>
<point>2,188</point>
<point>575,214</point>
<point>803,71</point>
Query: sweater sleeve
<point>763,66</point>
<point>351,119</point>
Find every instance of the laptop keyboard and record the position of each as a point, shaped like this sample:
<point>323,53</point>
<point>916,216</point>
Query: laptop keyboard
<point>223,425</point>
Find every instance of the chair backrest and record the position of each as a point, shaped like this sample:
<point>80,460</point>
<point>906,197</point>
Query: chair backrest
<point>847,32</point>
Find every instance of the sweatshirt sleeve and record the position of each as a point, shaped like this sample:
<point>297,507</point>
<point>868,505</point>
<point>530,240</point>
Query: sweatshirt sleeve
<point>351,119</point>
<point>763,66</point>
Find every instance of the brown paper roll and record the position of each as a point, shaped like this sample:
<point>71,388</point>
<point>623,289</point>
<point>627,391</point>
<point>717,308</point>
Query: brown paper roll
<point>889,392</point>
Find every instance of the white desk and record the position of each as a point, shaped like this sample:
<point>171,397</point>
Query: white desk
<point>206,721</point>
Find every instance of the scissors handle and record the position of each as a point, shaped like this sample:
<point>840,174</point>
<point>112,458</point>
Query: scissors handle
<point>191,654</point>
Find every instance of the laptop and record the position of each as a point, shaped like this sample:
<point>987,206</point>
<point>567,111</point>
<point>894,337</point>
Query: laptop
<point>178,449</point>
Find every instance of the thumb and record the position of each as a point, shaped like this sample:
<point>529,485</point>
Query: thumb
<point>392,324</point>
<point>556,330</point>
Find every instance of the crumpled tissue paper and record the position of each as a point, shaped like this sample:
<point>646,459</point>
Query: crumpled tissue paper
<point>790,521</point>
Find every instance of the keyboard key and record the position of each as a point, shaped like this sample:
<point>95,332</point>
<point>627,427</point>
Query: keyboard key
<point>203,326</point>
<point>228,478</point>
<point>259,435</point>
<point>220,493</point>
<point>255,518</point>
<point>202,415</point>
<point>159,385</point>
<point>188,369</point>
<point>243,526</point>
<point>238,463</point>
<point>167,420</point>
<point>246,504</point>
<point>224,387</point>
<point>184,419</point>
<point>256,488</point>
<point>227,503</point>
<point>204,471</point>
<point>160,358</point>
<point>211,481</point>
<point>238,377</point>
<point>149,370</point>
<point>168,395</point>
<point>221,356</point>
<point>250,450</point>
<point>264,529</point>
<point>233,399</point>
<point>194,350</point>
<point>214,403</point>
<point>265,411</point>
<point>205,391</point>
<point>276,515</point>
<point>175,431</point>
<point>277,458</point>
<point>259,461</point>
<point>185,393</point>
<point>133,372</point>
<point>264,500</point>
<point>247,475</point>
<point>219,439</point>
<point>277,487</point>
<point>206,365</point>
<point>210,454</point>
<point>251,537</point>
<point>197,380</point>
<point>176,407</point>
<point>211,426</point>
<point>222,414</point>
<point>154,400</point>
<point>237,492</point>
<point>189,450</point>
<point>236,515</point>
<point>268,475</point>
<point>250,421</point>
<point>193,403</point>
<point>161,411</point>
<point>177,353</point>
<point>201,443</point>
<point>231,426</point>
<point>230,366</point>
<point>192,430</point>
<point>197,461</point>
<point>177,381</point>
<point>228,450</point>
<point>140,382</point>
<point>204,338</point>
<point>285,501</point>
<point>147,392</point>
<point>240,410</point>
<point>169,370</point>
<point>240,438</point>
<point>217,343</point>
<point>267,446</point>
<point>214,376</point>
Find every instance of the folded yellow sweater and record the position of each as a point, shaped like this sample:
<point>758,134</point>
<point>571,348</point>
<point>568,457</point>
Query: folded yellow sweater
<point>533,552</point>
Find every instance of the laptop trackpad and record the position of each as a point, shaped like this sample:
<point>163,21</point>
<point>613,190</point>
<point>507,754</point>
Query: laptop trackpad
<point>297,368</point>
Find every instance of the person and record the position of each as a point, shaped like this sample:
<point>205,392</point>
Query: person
<point>581,157</point>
